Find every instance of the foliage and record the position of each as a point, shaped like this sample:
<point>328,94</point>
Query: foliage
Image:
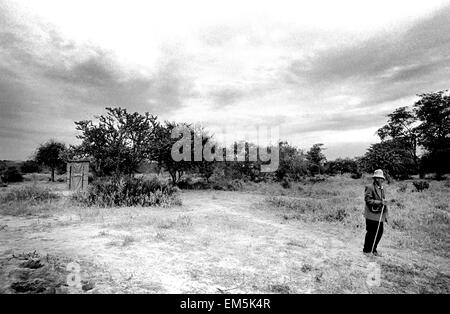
<point>247,169</point>
<point>293,163</point>
<point>51,155</point>
<point>421,185</point>
<point>285,183</point>
<point>187,183</point>
<point>162,152</point>
<point>402,187</point>
<point>318,178</point>
<point>118,142</point>
<point>11,175</point>
<point>30,166</point>
<point>228,185</point>
<point>316,159</point>
<point>423,127</point>
<point>433,110</point>
<point>128,191</point>
<point>341,166</point>
<point>401,127</point>
<point>391,156</point>
<point>190,142</point>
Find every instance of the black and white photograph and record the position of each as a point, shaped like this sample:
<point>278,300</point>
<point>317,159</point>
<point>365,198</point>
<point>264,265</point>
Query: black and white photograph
<point>212,150</point>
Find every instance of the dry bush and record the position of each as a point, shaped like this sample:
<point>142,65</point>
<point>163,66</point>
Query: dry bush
<point>126,191</point>
<point>402,187</point>
<point>421,185</point>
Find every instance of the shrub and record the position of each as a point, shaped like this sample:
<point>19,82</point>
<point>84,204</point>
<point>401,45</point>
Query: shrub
<point>30,166</point>
<point>128,191</point>
<point>12,175</point>
<point>421,185</point>
<point>317,179</point>
<point>285,183</point>
<point>338,215</point>
<point>189,184</point>
<point>234,185</point>
<point>402,187</point>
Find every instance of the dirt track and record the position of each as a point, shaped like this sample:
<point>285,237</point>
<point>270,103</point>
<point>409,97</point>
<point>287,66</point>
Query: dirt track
<point>217,242</point>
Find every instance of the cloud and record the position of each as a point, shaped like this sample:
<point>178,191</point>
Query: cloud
<point>325,83</point>
<point>386,67</point>
<point>46,78</point>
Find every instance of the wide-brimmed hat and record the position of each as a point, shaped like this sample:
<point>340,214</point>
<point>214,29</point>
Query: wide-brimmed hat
<point>378,174</point>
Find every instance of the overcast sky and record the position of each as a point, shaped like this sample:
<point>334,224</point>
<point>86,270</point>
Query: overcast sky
<point>323,71</point>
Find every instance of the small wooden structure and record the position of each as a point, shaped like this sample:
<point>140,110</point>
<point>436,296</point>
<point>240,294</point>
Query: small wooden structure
<point>78,175</point>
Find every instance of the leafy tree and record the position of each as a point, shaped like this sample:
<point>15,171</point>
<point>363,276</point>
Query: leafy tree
<point>401,127</point>
<point>162,152</point>
<point>316,159</point>
<point>433,110</point>
<point>50,154</point>
<point>391,156</point>
<point>118,142</point>
<point>11,174</point>
<point>342,165</point>
<point>293,162</point>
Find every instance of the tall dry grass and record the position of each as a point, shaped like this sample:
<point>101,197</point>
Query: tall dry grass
<point>27,200</point>
<point>417,219</point>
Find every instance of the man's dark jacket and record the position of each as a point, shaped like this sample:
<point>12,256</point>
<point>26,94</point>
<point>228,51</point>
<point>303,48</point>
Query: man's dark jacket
<point>373,197</point>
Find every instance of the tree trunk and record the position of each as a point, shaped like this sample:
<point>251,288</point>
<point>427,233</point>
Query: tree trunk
<point>53,174</point>
<point>421,172</point>
<point>174,177</point>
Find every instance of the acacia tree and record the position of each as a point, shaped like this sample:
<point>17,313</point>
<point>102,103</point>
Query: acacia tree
<point>50,154</point>
<point>118,142</point>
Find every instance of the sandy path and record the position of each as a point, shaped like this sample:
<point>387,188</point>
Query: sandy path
<point>216,242</point>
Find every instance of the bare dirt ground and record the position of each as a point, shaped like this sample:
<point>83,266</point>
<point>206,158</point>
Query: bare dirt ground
<point>216,242</point>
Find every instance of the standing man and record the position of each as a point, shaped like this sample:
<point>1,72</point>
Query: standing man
<point>374,197</point>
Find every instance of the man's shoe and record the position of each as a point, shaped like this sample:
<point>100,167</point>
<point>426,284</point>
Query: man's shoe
<point>377,254</point>
<point>368,254</point>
